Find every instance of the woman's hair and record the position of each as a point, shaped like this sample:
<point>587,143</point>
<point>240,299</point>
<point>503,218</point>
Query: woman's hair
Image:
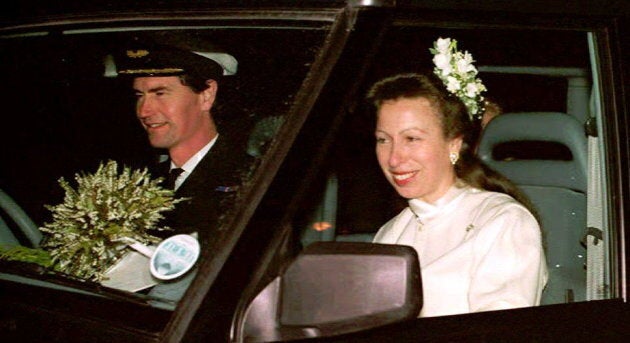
<point>491,110</point>
<point>455,122</point>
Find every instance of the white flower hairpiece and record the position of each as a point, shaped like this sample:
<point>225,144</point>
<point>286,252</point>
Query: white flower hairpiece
<point>459,75</point>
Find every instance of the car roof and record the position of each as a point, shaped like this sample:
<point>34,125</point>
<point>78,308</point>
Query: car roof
<point>21,10</point>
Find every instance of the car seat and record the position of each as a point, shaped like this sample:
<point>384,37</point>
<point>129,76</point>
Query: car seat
<point>545,155</point>
<point>14,218</point>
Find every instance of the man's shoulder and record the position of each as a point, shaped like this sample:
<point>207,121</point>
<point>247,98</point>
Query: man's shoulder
<point>227,152</point>
<point>226,161</point>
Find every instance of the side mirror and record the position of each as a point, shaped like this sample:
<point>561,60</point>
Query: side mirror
<point>333,288</point>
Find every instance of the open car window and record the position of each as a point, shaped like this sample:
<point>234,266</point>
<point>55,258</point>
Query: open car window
<point>546,83</point>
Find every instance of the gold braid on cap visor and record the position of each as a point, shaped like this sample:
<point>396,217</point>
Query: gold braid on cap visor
<point>151,71</point>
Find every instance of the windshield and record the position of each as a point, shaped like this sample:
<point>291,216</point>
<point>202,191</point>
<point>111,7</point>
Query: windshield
<point>71,113</point>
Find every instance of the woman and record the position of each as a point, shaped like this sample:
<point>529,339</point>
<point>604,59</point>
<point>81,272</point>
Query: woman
<point>479,246</point>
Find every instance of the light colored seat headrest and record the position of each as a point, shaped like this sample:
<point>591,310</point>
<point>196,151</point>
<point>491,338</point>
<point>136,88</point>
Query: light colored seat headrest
<point>555,127</point>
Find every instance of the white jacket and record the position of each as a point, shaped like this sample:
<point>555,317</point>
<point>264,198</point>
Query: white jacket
<point>478,251</point>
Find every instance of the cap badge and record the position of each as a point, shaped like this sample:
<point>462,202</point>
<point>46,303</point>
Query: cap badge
<point>137,53</point>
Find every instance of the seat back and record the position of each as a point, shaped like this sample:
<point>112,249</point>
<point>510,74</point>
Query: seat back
<point>13,218</point>
<point>545,155</point>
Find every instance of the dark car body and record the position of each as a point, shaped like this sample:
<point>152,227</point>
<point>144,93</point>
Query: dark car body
<point>310,63</point>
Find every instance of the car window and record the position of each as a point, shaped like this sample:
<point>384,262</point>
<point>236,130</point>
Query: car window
<point>71,113</point>
<point>536,74</point>
<point>60,81</point>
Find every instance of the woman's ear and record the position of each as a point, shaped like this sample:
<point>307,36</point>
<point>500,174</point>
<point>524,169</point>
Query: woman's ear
<point>456,144</point>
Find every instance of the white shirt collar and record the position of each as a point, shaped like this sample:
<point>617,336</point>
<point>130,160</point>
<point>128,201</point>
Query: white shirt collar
<point>425,211</point>
<point>192,162</point>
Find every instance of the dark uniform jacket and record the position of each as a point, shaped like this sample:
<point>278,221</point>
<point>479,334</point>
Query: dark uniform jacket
<point>211,188</point>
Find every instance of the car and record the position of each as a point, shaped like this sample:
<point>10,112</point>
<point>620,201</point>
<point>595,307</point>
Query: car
<point>294,260</point>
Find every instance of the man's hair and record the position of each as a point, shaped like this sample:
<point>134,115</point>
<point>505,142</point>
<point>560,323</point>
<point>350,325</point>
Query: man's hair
<point>197,84</point>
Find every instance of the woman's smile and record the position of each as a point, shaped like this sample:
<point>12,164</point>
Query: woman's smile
<point>402,179</point>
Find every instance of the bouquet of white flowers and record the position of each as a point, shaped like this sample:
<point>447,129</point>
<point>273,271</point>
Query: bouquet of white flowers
<point>108,211</point>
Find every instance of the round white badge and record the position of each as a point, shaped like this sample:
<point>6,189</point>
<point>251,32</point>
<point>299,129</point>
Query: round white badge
<point>174,257</point>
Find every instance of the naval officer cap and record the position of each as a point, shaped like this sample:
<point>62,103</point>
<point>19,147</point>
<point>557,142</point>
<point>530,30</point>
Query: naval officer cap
<point>170,61</point>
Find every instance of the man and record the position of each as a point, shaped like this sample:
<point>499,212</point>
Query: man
<point>176,90</point>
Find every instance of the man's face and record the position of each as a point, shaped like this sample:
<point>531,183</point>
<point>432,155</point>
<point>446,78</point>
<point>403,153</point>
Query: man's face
<point>170,112</point>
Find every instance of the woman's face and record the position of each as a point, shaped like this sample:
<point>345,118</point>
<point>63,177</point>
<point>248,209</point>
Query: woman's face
<point>412,150</point>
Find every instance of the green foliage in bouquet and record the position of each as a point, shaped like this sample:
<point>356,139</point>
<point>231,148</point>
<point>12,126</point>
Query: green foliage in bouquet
<point>91,229</point>
<point>24,254</point>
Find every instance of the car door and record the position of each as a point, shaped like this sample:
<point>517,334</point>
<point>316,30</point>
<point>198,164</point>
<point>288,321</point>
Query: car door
<point>296,105</point>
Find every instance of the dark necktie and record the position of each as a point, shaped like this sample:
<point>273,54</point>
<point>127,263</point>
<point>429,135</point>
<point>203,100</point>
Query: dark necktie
<point>172,176</point>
